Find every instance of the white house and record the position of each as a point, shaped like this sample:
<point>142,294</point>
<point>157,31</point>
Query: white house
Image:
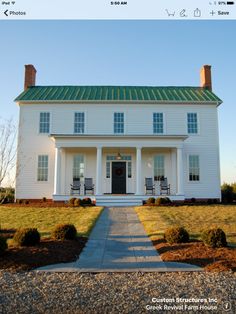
<point>118,136</point>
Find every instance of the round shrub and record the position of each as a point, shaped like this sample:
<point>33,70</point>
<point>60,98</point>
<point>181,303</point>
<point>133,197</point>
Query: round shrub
<point>162,201</point>
<point>77,202</point>
<point>176,235</point>
<point>214,237</point>
<point>3,245</point>
<point>27,237</point>
<point>87,201</point>
<point>151,200</point>
<point>71,201</point>
<point>64,232</point>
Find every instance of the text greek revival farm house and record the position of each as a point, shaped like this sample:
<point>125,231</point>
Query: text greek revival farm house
<point>118,138</point>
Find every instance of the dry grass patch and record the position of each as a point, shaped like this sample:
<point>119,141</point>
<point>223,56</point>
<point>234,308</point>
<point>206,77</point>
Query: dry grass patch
<point>193,218</point>
<point>45,218</point>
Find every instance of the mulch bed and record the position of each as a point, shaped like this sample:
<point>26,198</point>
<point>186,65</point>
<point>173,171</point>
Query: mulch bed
<point>46,253</point>
<point>196,253</point>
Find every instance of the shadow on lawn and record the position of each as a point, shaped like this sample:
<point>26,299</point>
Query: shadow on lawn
<point>7,233</point>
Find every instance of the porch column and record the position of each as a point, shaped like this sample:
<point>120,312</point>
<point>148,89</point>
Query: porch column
<point>99,171</point>
<point>138,171</point>
<point>57,171</point>
<point>180,169</point>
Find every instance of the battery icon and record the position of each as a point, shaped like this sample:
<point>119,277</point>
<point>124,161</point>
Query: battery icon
<point>230,2</point>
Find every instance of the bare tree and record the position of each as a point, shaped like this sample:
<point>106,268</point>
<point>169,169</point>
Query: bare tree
<point>7,147</point>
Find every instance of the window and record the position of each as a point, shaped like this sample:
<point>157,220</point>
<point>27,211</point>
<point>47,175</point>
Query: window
<point>79,122</point>
<point>129,169</point>
<point>108,169</point>
<point>111,157</point>
<point>44,122</point>
<point>158,127</point>
<point>192,123</point>
<point>78,167</point>
<point>118,122</point>
<point>159,168</point>
<point>42,168</point>
<point>194,169</point>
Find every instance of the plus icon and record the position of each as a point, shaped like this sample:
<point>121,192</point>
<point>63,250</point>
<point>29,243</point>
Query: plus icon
<point>212,13</point>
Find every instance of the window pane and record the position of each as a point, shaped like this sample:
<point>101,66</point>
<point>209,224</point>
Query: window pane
<point>192,123</point>
<point>44,122</point>
<point>42,168</point>
<point>159,167</point>
<point>194,168</point>
<point>108,169</point>
<point>158,126</point>
<point>78,167</point>
<point>118,122</point>
<point>79,122</point>
<point>129,169</point>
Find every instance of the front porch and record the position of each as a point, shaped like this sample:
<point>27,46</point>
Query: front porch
<point>118,166</point>
<point>118,200</point>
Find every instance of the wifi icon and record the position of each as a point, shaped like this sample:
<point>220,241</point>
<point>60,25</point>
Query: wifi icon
<point>13,2</point>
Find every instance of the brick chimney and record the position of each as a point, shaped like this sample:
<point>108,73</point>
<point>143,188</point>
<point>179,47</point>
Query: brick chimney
<point>30,76</point>
<point>205,77</point>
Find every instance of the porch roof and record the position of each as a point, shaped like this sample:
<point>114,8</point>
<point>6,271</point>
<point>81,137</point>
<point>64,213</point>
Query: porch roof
<point>106,140</point>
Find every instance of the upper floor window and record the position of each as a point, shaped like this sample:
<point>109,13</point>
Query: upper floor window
<point>78,167</point>
<point>159,167</point>
<point>192,123</point>
<point>194,168</point>
<point>42,168</point>
<point>118,122</point>
<point>44,122</point>
<point>158,124</point>
<point>79,122</point>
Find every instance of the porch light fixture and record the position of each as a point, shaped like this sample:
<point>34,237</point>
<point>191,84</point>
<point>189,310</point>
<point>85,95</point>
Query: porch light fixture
<point>118,156</point>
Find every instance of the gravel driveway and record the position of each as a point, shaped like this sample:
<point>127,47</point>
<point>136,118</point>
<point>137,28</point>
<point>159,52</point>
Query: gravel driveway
<point>38,292</point>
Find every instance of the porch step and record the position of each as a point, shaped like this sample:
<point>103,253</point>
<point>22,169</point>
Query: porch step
<point>118,201</point>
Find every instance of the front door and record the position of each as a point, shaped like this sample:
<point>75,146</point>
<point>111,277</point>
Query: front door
<point>119,178</point>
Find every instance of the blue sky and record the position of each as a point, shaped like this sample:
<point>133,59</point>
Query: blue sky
<point>124,53</point>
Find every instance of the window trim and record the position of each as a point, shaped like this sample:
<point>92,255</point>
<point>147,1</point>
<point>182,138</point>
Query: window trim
<point>164,123</point>
<point>85,122</point>
<point>124,126</point>
<point>188,172</point>
<point>50,123</point>
<point>37,167</point>
<point>84,159</point>
<point>198,124</point>
<point>164,168</point>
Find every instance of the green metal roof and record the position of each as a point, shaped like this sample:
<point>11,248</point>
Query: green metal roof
<point>117,93</point>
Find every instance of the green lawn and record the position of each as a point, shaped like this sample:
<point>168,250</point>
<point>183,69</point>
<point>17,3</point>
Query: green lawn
<point>193,218</point>
<point>45,219</point>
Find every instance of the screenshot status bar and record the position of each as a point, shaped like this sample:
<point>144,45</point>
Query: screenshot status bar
<point>111,9</point>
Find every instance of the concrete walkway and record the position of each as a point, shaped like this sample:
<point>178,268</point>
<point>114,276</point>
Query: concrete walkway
<point>119,243</point>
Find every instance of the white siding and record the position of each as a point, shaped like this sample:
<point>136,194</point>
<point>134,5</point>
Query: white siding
<point>99,120</point>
